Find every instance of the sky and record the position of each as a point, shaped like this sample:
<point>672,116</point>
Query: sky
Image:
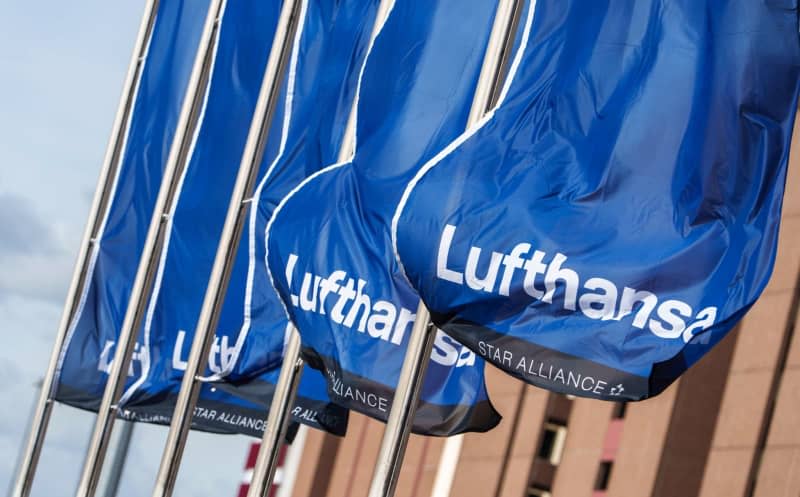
<point>62,68</point>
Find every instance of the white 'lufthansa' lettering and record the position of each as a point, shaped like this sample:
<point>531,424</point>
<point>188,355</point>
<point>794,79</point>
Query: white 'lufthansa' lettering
<point>347,302</point>
<point>220,357</point>
<point>599,298</point>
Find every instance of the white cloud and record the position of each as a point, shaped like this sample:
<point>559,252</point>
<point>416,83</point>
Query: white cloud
<point>33,262</point>
<point>21,229</point>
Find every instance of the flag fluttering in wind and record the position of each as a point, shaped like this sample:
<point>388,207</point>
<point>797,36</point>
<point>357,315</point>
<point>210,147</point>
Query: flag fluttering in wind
<point>238,62</point>
<point>331,46</point>
<point>203,192</point>
<point>328,244</point>
<point>618,213</point>
<point>90,345</point>
<point>597,232</point>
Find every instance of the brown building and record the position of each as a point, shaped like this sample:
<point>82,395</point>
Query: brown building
<point>729,428</point>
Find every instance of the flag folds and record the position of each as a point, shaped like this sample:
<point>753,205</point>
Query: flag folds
<point>238,59</point>
<point>203,193</point>
<point>328,245</point>
<point>618,213</point>
<point>329,52</point>
<point>89,348</point>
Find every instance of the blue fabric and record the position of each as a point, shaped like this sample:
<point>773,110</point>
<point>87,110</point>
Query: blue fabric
<point>331,55</point>
<point>203,196</point>
<point>618,214</point>
<point>159,95</point>
<point>241,51</point>
<point>329,249</point>
<point>323,80</point>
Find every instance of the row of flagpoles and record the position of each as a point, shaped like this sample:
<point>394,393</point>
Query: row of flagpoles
<point>398,426</point>
<point>668,316</point>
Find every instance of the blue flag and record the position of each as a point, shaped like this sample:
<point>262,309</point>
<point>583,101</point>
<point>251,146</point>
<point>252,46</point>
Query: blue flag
<point>329,245</point>
<point>194,227</point>
<point>86,359</point>
<point>328,46</point>
<point>322,81</point>
<point>618,213</point>
<point>89,348</point>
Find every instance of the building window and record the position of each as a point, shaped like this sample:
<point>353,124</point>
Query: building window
<point>619,410</point>
<point>537,491</point>
<point>552,446</point>
<point>603,475</point>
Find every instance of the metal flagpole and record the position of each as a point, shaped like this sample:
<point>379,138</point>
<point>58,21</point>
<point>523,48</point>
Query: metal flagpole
<point>446,470</point>
<point>401,415</point>
<point>148,262</point>
<point>292,367</point>
<point>226,251</point>
<point>44,408</point>
<point>291,463</point>
<point>277,418</point>
<point>120,457</point>
<point>21,452</point>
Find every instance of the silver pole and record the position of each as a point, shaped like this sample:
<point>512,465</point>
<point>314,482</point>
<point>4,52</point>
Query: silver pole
<point>292,367</point>
<point>44,408</point>
<point>291,463</point>
<point>148,262</point>
<point>21,451</point>
<point>401,415</point>
<point>277,419</point>
<point>120,457</point>
<point>226,251</point>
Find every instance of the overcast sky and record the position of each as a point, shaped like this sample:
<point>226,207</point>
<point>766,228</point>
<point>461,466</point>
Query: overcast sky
<point>62,66</point>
